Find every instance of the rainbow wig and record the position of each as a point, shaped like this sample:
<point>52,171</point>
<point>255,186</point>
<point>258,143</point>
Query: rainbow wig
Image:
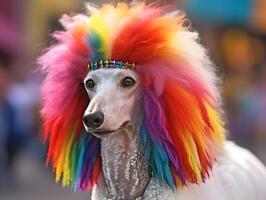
<point>182,130</point>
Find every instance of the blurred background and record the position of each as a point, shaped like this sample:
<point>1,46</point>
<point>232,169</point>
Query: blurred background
<point>234,31</point>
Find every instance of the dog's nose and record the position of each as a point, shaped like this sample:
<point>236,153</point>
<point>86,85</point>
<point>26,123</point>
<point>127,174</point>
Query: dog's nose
<point>93,120</point>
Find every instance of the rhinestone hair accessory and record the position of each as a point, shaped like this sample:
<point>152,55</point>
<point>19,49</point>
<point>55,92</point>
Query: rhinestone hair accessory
<point>111,64</point>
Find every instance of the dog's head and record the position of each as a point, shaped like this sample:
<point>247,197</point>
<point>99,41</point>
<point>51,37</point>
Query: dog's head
<point>157,70</point>
<point>114,100</point>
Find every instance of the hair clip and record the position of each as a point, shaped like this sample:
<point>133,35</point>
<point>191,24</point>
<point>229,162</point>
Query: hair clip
<point>111,64</point>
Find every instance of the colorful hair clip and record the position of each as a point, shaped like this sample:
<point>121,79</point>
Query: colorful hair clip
<point>111,64</point>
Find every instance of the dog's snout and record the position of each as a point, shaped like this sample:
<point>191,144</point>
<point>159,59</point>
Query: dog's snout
<point>93,120</point>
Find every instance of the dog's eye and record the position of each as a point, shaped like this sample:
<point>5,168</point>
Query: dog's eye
<point>90,84</point>
<point>128,82</point>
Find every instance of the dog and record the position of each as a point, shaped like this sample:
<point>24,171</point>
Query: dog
<point>132,110</point>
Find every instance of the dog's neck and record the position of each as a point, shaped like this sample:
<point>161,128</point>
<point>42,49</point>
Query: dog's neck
<point>126,172</point>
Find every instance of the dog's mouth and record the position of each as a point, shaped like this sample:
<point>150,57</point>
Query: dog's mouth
<point>102,132</point>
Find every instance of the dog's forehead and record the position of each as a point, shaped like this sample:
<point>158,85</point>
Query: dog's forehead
<point>110,73</point>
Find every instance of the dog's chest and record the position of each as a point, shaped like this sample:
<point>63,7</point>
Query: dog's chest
<point>125,170</point>
<point>154,191</point>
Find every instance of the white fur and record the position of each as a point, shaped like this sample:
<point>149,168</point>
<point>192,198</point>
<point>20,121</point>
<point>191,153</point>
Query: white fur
<point>237,176</point>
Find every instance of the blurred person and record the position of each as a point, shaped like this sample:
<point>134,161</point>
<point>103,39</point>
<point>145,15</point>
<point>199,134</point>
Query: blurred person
<point>242,52</point>
<point>260,96</point>
<point>241,108</point>
<point>10,41</point>
<point>6,115</point>
<point>246,105</point>
<point>23,95</point>
<point>18,101</point>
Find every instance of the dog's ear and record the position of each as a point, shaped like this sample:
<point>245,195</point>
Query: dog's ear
<point>183,123</point>
<point>74,155</point>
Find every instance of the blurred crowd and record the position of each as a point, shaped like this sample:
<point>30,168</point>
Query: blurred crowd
<point>233,31</point>
<point>18,93</point>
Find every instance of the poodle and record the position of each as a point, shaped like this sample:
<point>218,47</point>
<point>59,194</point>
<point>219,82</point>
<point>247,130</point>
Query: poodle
<point>132,110</point>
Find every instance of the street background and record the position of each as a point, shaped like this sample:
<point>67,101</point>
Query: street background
<point>234,33</point>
